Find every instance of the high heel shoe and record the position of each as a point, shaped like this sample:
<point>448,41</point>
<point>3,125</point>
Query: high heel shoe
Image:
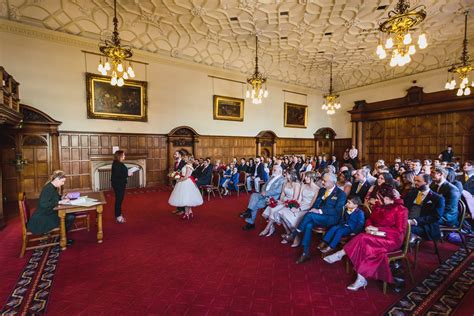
<point>296,242</point>
<point>359,282</point>
<point>191,215</point>
<point>264,232</point>
<point>185,216</point>
<point>271,231</point>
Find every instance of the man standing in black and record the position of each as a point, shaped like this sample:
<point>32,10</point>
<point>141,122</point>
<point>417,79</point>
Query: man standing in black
<point>179,163</point>
<point>447,155</point>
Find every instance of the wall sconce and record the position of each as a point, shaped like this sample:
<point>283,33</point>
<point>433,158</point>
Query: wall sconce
<point>19,162</point>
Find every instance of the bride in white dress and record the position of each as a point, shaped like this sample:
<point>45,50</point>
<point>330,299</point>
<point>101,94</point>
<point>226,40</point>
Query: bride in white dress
<point>185,193</point>
<point>292,217</point>
<point>291,190</point>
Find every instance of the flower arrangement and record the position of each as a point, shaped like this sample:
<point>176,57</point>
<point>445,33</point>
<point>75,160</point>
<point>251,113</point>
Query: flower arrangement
<point>175,175</point>
<point>272,202</point>
<point>292,204</point>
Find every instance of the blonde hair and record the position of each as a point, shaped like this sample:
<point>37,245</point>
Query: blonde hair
<point>58,174</point>
<point>311,175</point>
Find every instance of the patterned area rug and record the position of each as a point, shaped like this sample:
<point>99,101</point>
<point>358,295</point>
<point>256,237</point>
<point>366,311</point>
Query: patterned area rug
<point>443,290</point>
<point>31,292</point>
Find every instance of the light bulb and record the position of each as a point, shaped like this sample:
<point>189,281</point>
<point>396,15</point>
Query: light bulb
<point>462,85</point>
<point>447,85</point>
<point>265,94</point>
<point>104,72</point>
<point>459,93</point>
<point>120,67</point>
<point>407,39</point>
<point>465,80</point>
<point>467,91</point>
<point>422,43</point>
<point>247,94</point>
<point>125,75</point>
<point>120,82</point>
<point>100,67</point>
<point>389,43</point>
<point>393,62</point>
<point>472,84</point>
<point>411,49</point>
<point>113,81</point>
<point>130,71</point>
<point>107,65</point>
<point>379,49</point>
<point>383,54</point>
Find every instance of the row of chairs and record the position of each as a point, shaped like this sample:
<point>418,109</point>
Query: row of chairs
<point>214,185</point>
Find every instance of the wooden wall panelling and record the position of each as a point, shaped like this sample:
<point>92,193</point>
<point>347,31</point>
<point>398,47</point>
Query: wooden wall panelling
<point>225,147</point>
<point>288,146</point>
<point>340,145</point>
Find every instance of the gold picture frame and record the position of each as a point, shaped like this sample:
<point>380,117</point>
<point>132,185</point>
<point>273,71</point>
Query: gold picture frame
<point>126,103</point>
<point>296,115</point>
<point>227,108</point>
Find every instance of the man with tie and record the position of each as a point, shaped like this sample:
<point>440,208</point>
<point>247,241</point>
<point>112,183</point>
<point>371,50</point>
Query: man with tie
<point>416,166</point>
<point>425,209</point>
<point>468,169</point>
<point>361,186</point>
<point>326,212</point>
<point>206,174</point>
<point>450,193</point>
<point>271,189</point>
<point>258,174</point>
<point>179,163</point>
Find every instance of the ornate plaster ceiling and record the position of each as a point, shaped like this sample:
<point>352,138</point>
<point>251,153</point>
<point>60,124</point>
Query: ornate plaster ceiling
<point>298,38</point>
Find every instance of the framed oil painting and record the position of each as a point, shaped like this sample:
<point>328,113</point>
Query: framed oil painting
<point>104,101</point>
<point>296,115</point>
<point>227,108</point>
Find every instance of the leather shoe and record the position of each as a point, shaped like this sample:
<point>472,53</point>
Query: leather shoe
<point>69,242</point>
<point>248,227</point>
<point>304,257</point>
<point>245,214</point>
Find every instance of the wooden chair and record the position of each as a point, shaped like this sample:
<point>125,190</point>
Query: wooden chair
<point>401,254</point>
<point>29,238</point>
<point>242,183</point>
<point>457,229</point>
<point>211,188</point>
<point>81,222</point>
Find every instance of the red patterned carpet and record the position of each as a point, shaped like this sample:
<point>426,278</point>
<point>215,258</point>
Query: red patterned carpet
<point>157,264</point>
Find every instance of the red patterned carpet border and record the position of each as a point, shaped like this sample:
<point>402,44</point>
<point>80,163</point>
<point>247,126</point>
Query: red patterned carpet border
<point>443,290</point>
<point>31,292</point>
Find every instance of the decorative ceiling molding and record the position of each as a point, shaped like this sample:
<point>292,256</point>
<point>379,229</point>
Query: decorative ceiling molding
<point>298,38</point>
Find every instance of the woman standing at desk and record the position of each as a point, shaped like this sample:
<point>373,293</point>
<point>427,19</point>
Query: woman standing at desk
<point>45,218</point>
<point>119,182</point>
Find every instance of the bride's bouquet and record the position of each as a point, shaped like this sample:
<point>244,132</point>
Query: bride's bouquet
<point>174,175</point>
<point>292,204</point>
<point>272,202</point>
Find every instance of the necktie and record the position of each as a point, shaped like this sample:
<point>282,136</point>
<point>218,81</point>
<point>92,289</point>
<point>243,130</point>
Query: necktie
<point>359,187</point>
<point>419,198</point>
<point>466,177</point>
<point>326,194</point>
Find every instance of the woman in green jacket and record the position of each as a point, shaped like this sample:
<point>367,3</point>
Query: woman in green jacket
<point>46,218</point>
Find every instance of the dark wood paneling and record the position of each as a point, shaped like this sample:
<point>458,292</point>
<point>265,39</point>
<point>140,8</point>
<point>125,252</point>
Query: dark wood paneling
<point>225,148</point>
<point>288,146</point>
<point>340,145</point>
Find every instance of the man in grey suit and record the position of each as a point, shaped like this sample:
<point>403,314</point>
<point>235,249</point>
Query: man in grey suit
<point>259,200</point>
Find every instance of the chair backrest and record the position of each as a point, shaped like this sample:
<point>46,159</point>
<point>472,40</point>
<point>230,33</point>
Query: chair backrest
<point>461,212</point>
<point>242,177</point>
<point>406,242</point>
<point>216,178</point>
<point>24,211</point>
<point>468,199</point>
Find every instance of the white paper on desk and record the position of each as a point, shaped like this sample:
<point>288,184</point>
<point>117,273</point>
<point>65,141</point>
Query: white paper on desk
<point>85,201</point>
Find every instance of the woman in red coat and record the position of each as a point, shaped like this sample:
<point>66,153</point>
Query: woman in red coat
<point>384,232</point>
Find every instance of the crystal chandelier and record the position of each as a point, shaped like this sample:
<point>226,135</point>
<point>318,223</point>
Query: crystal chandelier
<point>462,69</point>
<point>331,102</point>
<point>117,54</point>
<point>256,82</point>
<point>399,22</point>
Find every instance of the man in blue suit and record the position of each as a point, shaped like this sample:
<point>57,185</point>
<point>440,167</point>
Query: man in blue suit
<point>271,189</point>
<point>450,193</point>
<point>326,212</point>
<point>425,209</point>
<point>468,169</point>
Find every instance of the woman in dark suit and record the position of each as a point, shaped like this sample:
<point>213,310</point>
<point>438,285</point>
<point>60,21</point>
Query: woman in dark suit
<point>46,218</point>
<point>119,182</point>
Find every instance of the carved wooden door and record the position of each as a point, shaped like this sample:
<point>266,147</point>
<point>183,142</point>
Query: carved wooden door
<point>36,173</point>
<point>9,172</point>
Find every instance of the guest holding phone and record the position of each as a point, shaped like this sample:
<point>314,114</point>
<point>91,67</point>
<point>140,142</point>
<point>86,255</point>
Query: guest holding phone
<point>119,177</point>
<point>46,218</point>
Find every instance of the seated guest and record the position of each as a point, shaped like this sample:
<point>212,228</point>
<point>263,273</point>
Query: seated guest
<point>369,177</point>
<point>45,218</point>
<point>326,212</point>
<point>224,181</point>
<point>270,189</point>
<point>451,178</point>
<point>407,182</point>
<point>242,166</point>
<point>361,186</point>
<point>425,209</point>
<point>468,169</point>
<point>416,166</point>
<point>308,194</point>
<point>206,174</point>
<point>344,183</point>
<point>266,172</point>
<point>234,180</point>
<point>368,251</point>
<point>324,163</point>
<point>256,176</point>
<point>451,196</point>
<point>291,191</point>
<point>334,163</point>
<point>352,222</point>
<point>372,195</point>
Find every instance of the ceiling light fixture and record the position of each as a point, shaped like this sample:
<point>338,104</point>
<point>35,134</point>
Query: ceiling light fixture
<point>462,69</point>
<point>256,81</point>
<point>118,54</point>
<point>331,100</point>
<point>400,22</point>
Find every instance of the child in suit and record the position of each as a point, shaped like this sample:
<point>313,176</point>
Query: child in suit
<point>352,222</point>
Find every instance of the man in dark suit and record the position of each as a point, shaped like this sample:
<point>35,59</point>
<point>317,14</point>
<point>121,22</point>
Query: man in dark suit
<point>326,212</point>
<point>361,186</point>
<point>256,176</point>
<point>425,209</point>
<point>179,163</point>
<point>450,193</point>
<point>468,169</point>
<point>242,166</point>
<point>206,174</point>
<point>447,154</point>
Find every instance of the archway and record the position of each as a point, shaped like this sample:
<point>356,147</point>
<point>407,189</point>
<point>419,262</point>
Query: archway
<point>182,138</point>
<point>324,141</point>
<point>266,143</point>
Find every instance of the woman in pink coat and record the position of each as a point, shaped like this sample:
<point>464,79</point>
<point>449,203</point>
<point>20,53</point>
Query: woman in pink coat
<point>384,232</point>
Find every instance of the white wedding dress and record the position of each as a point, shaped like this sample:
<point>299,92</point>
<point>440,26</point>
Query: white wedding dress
<point>273,213</point>
<point>185,193</point>
<point>292,219</point>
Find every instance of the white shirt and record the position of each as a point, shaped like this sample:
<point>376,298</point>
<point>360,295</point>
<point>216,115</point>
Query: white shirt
<point>271,181</point>
<point>353,153</point>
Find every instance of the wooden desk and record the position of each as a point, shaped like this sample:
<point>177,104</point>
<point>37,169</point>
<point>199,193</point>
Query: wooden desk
<point>66,209</point>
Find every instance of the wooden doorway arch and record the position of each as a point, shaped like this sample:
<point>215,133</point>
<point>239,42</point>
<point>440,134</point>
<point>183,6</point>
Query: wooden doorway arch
<point>324,141</point>
<point>182,138</point>
<point>266,143</point>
